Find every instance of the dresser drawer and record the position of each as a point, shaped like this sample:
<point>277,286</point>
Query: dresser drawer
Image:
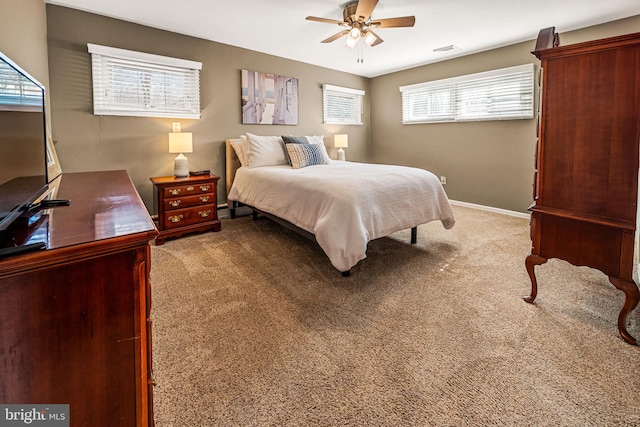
<point>187,190</point>
<point>188,201</point>
<point>194,215</point>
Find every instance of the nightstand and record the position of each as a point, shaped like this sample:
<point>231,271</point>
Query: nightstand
<point>186,205</point>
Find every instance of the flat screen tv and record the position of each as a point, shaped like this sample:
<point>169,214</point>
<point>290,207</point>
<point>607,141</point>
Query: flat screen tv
<point>23,159</point>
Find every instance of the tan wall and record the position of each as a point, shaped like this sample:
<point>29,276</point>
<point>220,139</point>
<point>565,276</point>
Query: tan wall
<point>488,163</point>
<point>140,145</point>
<point>23,36</point>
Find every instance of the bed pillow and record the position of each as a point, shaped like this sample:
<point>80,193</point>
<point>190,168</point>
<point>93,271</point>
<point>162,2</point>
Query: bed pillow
<point>303,155</point>
<point>238,147</point>
<point>264,151</point>
<point>293,140</point>
<point>315,139</point>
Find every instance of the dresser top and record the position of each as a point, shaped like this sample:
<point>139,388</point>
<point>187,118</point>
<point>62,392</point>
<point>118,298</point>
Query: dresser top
<point>105,213</point>
<point>171,180</point>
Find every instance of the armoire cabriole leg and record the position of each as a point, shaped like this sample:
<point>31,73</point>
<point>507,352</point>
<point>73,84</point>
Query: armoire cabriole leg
<point>531,261</point>
<point>632,296</point>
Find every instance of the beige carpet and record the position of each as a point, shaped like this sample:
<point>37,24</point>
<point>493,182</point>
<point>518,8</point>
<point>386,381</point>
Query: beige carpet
<point>254,327</point>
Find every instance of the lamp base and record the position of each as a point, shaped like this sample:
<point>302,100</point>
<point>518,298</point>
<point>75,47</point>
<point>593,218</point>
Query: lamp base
<point>181,166</point>
<point>341,154</point>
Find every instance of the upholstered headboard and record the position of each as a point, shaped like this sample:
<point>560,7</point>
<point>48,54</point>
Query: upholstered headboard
<point>232,163</point>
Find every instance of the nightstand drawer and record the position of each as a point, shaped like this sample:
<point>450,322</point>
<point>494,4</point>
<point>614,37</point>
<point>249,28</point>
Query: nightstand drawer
<point>187,190</point>
<point>195,215</point>
<point>188,201</point>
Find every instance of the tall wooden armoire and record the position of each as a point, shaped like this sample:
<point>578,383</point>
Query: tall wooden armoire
<point>586,181</point>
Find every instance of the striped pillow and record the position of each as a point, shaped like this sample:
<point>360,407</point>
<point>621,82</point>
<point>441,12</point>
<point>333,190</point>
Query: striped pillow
<point>307,155</point>
<point>294,140</point>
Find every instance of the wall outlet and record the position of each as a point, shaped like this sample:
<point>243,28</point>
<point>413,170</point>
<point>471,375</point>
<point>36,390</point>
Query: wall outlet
<point>443,180</point>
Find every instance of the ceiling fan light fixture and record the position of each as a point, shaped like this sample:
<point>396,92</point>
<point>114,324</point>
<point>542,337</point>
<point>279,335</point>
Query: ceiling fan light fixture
<point>369,37</point>
<point>351,42</point>
<point>357,18</point>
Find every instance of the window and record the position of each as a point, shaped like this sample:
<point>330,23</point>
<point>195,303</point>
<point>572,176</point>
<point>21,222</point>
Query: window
<point>128,83</point>
<point>341,105</point>
<point>503,94</point>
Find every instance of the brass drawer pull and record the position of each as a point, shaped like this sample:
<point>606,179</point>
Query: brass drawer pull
<point>190,188</point>
<point>174,191</point>
<point>205,187</point>
<point>204,214</point>
<point>175,218</point>
<point>204,199</point>
<point>174,203</point>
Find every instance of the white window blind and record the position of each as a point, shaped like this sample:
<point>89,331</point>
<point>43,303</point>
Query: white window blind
<point>503,94</point>
<point>17,93</point>
<point>341,105</point>
<point>129,83</point>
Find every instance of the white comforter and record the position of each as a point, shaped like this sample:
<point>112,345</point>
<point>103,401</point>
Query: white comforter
<point>345,204</point>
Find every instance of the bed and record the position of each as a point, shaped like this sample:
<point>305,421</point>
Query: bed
<point>343,205</point>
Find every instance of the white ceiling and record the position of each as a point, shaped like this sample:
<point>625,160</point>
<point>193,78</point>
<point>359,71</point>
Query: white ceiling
<point>278,27</point>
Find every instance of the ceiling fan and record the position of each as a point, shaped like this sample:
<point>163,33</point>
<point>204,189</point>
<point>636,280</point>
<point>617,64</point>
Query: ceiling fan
<point>357,17</point>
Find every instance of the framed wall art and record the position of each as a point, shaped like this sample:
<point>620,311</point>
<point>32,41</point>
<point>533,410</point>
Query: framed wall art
<point>269,99</point>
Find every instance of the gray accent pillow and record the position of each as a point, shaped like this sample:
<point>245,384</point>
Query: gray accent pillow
<point>293,140</point>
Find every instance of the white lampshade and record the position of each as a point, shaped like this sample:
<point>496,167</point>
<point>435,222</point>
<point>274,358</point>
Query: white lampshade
<point>340,141</point>
<point>180,142</point>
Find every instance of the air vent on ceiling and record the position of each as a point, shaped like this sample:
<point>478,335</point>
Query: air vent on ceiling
<point>447,49</point>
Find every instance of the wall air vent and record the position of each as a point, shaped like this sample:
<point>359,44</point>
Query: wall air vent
<point>447,49</point>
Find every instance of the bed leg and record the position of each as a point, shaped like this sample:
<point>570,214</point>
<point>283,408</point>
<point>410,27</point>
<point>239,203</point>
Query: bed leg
<point>233,213</point>
<point>414,235</point>
<point>255,214</point>
<point>346,273</point>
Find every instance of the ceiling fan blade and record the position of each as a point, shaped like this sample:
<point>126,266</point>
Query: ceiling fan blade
<point>403,21</point>
<point>364,9</point>
<point>325,20</point>
<point>336,36</point>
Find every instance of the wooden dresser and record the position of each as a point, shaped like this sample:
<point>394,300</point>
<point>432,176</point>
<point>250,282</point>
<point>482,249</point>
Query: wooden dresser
<point>586,184</point>
<point>186,205</point>
<point>75,324</point>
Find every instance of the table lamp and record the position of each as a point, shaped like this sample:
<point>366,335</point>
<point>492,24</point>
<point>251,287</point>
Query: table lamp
<point>180,142</point>
<point>340,142</point>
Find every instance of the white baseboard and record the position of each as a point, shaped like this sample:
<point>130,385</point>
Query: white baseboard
<point>491,209</point>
